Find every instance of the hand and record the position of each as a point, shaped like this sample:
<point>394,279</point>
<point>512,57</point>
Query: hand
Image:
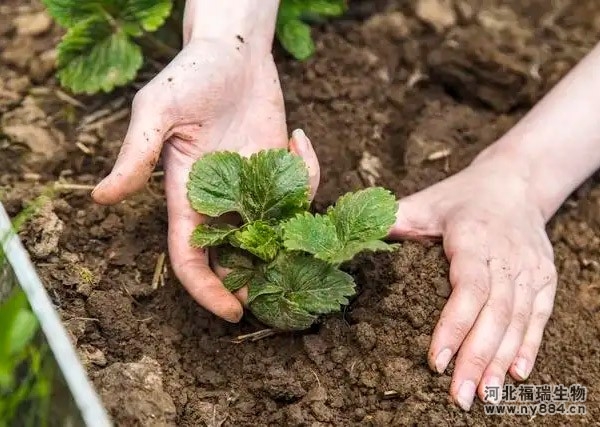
<point>501,270</point>
<point>213,96</point>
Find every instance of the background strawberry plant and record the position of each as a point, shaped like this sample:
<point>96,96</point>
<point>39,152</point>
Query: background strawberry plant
<point>102,47</point>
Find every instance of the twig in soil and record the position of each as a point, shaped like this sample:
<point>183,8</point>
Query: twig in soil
<point>114,117</point>
<point>136,302</point>
<point>317,377</point>
<point>83,148</point>
<point>151,191</point>
<point>91,319</point>
<point>66,186</point>
<point>440,154</point>
<point>254,336</point>
<point>390,394</point>
<point>68,99</point>
<point>97,115</point>
<point>352,368</point>
<point>40,90</point>
<point>158,174</point>
<point>158,271</point>
<point>215,422</point>
<point>31,176</point>
<point>416,77</point>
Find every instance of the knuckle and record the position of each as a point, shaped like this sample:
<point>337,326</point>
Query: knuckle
<point>520,319</point>
<point>459,329</point>
<point>501,362</point>
<point>480,290</point>
<point>461,234</point>
<point>546,272</point>
<point>142,97</point>
<point>542,315</point>
<point>502,311</point>
<point>479,359</point>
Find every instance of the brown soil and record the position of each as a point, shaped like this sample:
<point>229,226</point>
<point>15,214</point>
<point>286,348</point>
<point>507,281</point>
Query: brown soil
<point>391,88</point>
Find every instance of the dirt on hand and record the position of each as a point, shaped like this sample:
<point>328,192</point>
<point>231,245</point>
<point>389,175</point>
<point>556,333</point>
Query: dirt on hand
<point>400,94</point>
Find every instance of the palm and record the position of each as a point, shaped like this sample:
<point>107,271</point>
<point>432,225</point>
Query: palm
<point>211,97</point>
<point>221,101</point>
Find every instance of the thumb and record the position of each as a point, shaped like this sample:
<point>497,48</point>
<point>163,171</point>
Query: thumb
<point>419,216</point>
<point>139,153</point>
<point>301,146</point>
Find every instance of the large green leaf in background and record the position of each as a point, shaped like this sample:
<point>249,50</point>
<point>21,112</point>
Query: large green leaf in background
<point>294,34</point>
<point>92,57</point>
<point>97,53</point>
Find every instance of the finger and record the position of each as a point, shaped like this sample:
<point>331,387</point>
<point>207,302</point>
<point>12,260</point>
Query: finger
<point>542,309</point>
<point>495,373</point>
<point>420,215</point>
<point>301,146</point>
<point>222,272</point>
<point>139,153</point>
<point>469,277</point>
<point>483,341</point>
<point>192,265</point>
<point>219,270</point>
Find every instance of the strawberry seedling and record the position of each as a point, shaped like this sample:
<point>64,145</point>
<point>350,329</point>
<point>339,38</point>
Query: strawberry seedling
<point>287,257</point>
<point>101,49</point>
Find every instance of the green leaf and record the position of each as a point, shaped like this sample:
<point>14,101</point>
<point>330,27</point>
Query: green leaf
<point>237,279</point>
<point>146,14</point>
<point>22,331</point>
<point>311,283</point>
<point>273,185</point>
<point>351,249</point>
<point>281,313</point>
<point>68,12</point>
<point>258,238</point>
<point>297,288</point>
<point>257,289</point>
<point>214,185</point>
<point>356,224</point>
<point>270,185</point>
<point>206,235</point>
<point>364,215</point>
<point>93,58</point>
<point>9,311</point>
<point>325,8</point>
<point>150,14</point>
<point>294,34</point>
<point>313,234</point>
<point>230,257</point>
<point>295,37</point>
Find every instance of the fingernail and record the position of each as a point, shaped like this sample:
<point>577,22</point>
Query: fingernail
<point>521,368</point>
<point>494,383</point>
<point>466,394</point>
<point>97,187</point>
<point>441,362</point>
<point>301,140</point>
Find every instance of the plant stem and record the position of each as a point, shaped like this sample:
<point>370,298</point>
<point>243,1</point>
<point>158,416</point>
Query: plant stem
<point>161,47</point>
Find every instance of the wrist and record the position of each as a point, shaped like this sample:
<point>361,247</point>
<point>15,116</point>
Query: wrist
<point>248,21</point>
<point>545,193</point>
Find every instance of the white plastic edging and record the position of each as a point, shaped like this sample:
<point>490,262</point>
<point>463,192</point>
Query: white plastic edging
<point>83,393</point>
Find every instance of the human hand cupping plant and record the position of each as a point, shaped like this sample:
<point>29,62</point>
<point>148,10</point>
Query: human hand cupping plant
<point>221,92</point>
